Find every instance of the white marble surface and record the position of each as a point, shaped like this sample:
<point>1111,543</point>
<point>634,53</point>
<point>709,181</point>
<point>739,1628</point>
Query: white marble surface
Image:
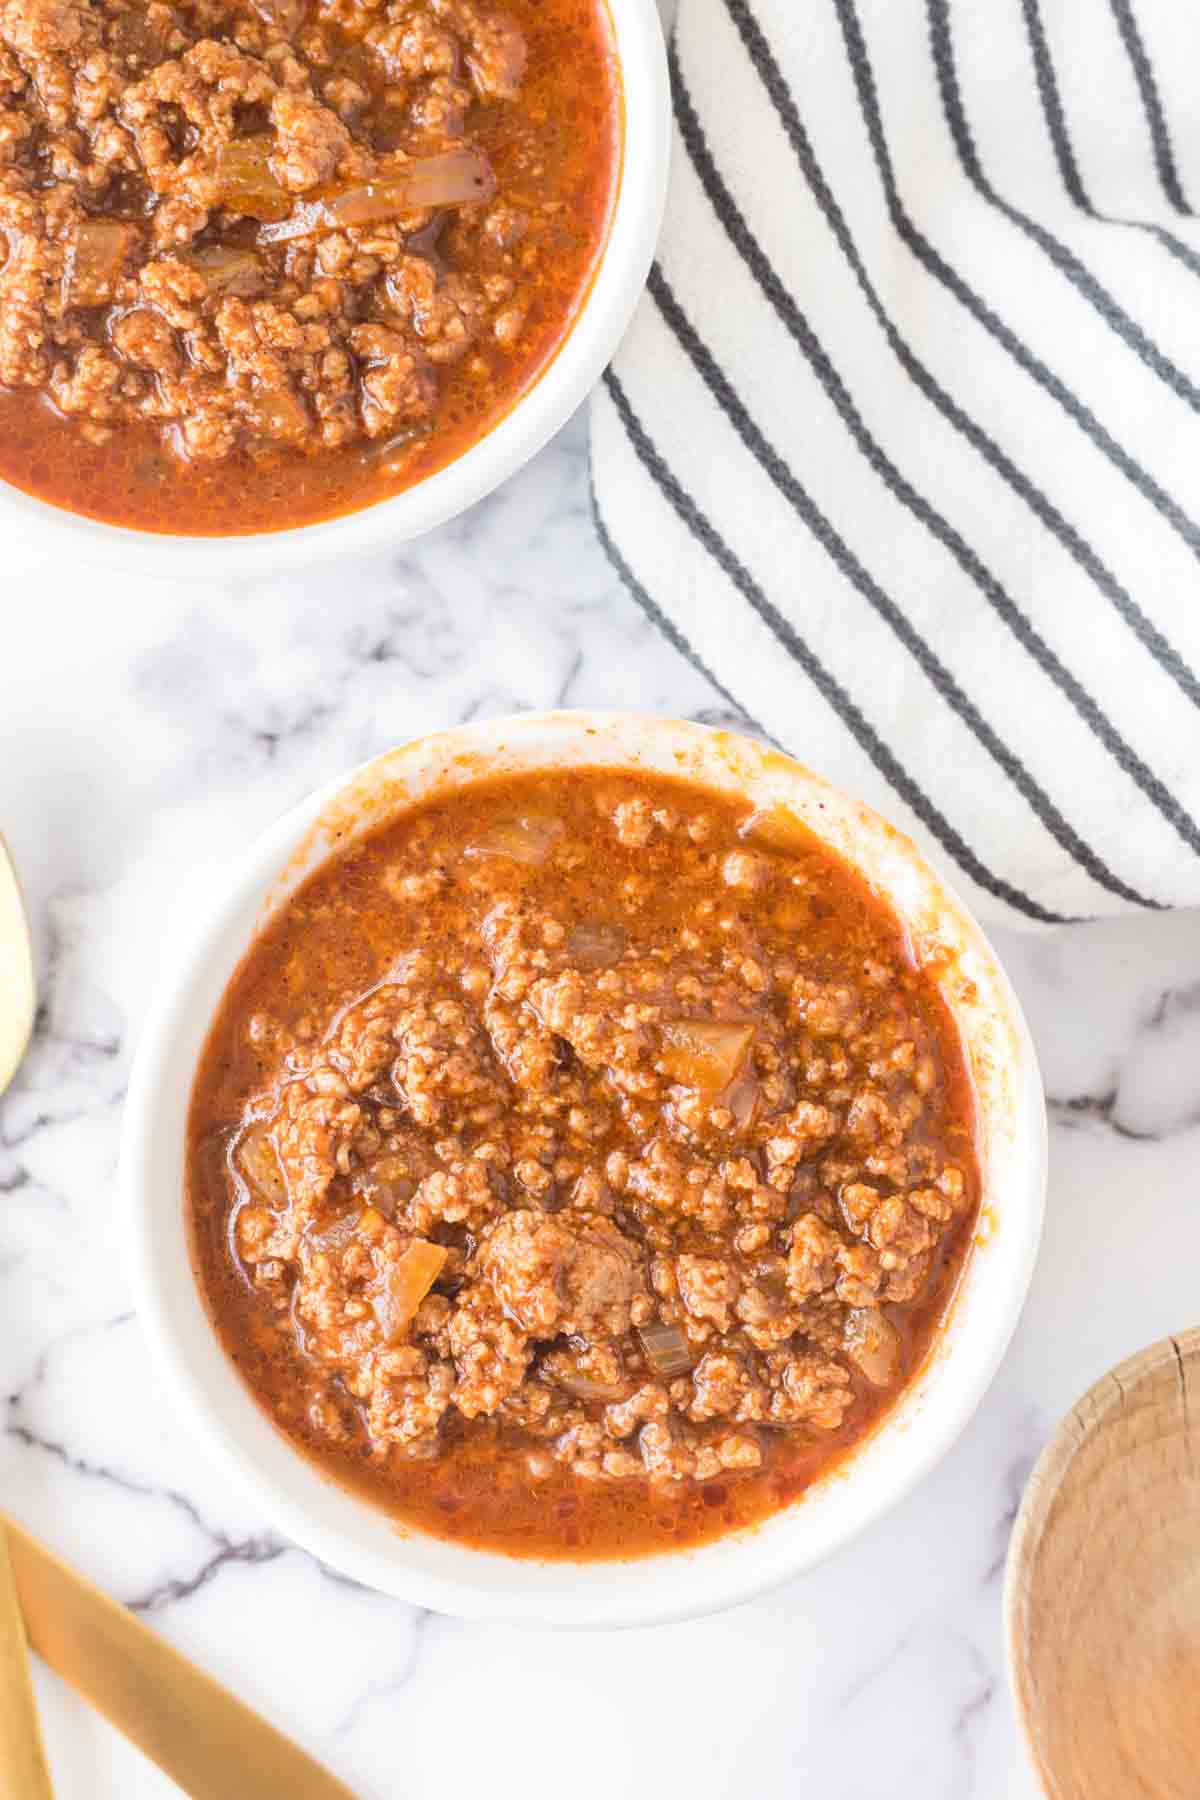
<point>144,736</point>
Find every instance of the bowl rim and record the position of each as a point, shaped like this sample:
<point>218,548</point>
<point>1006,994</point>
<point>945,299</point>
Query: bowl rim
<point>533,419</point>
<point>350,1534</point>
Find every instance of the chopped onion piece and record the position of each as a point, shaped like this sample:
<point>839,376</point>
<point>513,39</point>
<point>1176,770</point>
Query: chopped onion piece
<point>96,253</point>
<point>873,1344</point>
<point>586,1387</point>
<point>447,178</point>
<point>245,183</point>
<point>595,944</point>
<point>704,1054</point>
<point>528,840</point>
<point>388,1183</point>
<point>455,177</point>
<point>335,1237</point>
<point>223,267</point>
<point>776,828</point>
<point>405,1285</point>
<point>259,1163</point>
<point>666,1349</point>
<point>743,1100</point>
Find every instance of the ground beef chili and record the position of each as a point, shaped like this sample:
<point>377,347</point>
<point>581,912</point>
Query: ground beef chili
<point>265,261</point>
<point>580,1165</point>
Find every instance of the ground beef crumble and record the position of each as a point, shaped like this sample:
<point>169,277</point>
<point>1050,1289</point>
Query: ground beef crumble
<point>681,1161</point>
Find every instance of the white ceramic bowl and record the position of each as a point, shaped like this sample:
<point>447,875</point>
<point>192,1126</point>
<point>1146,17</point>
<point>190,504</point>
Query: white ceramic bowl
<point>350,1534</point>
<point>548,404</point>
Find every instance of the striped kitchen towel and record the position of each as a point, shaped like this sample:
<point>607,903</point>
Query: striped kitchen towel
<point>903,447</point>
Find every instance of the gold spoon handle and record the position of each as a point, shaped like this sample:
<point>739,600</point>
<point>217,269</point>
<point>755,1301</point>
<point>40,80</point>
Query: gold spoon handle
<point>23,1771</point>
<point>211,1745</point>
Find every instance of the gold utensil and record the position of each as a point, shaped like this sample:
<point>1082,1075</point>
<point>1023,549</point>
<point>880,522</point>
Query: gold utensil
<point>23,1771</point>
<point>17,993</point>
<point>1102,1601</point>
<point>208,1742</point>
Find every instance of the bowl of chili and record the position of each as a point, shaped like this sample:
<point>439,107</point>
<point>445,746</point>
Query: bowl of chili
<point>309,278</point>
<point>582,1171</point>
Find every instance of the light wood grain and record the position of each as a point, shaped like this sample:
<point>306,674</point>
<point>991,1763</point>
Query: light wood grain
<point>1102,1601</point>
<point>17,997</point>
<point>23,1771</point>
<point>207,1741</point>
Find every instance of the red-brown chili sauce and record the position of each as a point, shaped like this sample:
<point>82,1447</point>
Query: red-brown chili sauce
<point>580,1164</point>
<point>264,261</point>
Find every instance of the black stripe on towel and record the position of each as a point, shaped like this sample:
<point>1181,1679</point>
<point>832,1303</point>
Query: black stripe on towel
<point>658,617</point>
<point>1064,153</point>
<point>937,266</point>
<point>1143,72</point>
<point>825,683</point>
<point>1081,278</point>
<point>1052,106</point>
<point>780,94</point>
<point>939,677</point>
<point>1006,609</point>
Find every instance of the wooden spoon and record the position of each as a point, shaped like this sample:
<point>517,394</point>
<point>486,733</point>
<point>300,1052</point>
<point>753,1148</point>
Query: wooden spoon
<point>1102,1600</point>
<point>17,990</point>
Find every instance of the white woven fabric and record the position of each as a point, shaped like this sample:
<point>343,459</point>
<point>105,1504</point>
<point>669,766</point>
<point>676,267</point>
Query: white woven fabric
<point>904,444</point>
